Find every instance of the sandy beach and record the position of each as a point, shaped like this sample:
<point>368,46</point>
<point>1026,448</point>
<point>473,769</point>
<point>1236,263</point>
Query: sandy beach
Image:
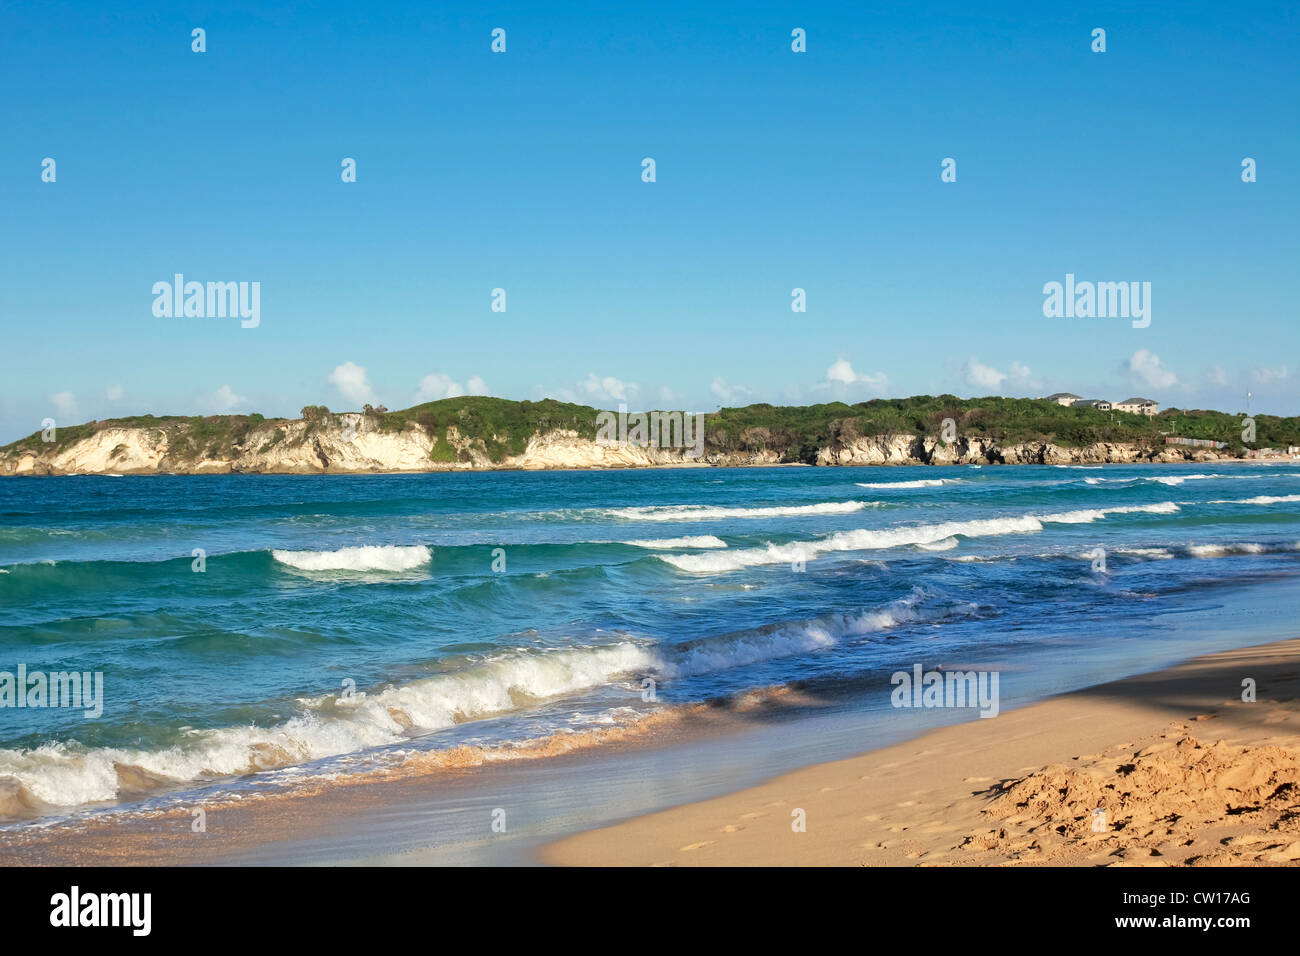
<point>1184,770</point>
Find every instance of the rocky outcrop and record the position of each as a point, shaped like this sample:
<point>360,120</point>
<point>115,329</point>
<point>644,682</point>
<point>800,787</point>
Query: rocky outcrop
<point>916,450</point>
<point>354,443</point>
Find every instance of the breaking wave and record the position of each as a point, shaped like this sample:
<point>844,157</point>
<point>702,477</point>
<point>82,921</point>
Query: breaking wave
<point>1257,500</point>
<point>69,774</point>
<point>711,512</point>
<point>917,483</point>
<point>364,558</point>
<point>689,541</point>
<point>865,539</point>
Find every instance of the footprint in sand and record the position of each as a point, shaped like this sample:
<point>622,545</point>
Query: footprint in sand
<point>695,846</point>
<point>730,828</point>
<point>1246,838</point>
<point>938,826</point>
<point>1287,854</point>
<point>750,816</point>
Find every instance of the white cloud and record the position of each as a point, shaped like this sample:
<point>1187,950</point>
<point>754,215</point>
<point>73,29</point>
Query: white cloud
<point>607,388</point>
<point>114,393</point>
<point>840,374</point>
<point>1264,376</point>
<point>728,393</point>
<point>982,376</point>
<point>65,403</point>
<point>435,385</point>
<point>223,399</point>
<point>1216,376</point>
<point>351,382</point>
<point>1145,369</point>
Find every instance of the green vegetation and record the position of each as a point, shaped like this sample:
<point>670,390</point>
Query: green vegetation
<point>502,428</point>
<point>796,432</point>
<point>195,435</point>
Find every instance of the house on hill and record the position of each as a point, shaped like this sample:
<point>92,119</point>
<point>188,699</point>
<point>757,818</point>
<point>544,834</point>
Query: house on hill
<point>1098,403</point>
<point>1063,398</point>
<point>1138,406</point>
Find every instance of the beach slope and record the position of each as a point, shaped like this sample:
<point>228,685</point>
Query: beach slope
<point>1183,771</point>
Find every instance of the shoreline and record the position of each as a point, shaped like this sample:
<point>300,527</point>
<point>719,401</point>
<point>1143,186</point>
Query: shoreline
<point>1187,772</point>
<point>664,466</point>
<point>683,787</point>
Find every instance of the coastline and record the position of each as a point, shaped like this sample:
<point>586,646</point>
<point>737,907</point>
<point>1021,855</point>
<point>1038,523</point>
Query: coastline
<point>1188,773</point>
<point>686,465</point>
<point>1045,621</point>
<point>325,443</point>
<point>706,784</point>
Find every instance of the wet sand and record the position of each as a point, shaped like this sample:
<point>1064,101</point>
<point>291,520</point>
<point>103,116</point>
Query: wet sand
<point>1184,771</point>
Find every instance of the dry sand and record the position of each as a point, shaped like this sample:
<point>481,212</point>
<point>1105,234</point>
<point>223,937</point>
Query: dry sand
<point>1184,770</point>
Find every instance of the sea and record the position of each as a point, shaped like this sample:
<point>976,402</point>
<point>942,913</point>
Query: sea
<point>246,632</point>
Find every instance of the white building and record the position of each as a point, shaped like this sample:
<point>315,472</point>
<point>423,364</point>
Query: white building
<point>1138,406</point>
<point>1064,398</point>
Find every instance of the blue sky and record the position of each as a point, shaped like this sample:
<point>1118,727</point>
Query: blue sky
<point>522,171</point>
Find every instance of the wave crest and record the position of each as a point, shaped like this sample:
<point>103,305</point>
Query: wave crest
<point>369,557</point>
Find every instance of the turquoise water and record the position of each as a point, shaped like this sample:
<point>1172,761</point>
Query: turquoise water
<point>339,623</point>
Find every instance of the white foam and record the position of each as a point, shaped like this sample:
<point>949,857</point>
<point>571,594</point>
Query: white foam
<point>1089,515</point>
<point>947,544</point>
<point>800,637</point>
<point>1155,554</point>
<point>1179,479</point>
<point>864,539</point>
<point>364,558</point>
<point>917,483</point>
<point>1219,550</point>
<point>1257,500</point>
<point>709,512</point>
<point>689,541</point>
<point>68,774</point>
